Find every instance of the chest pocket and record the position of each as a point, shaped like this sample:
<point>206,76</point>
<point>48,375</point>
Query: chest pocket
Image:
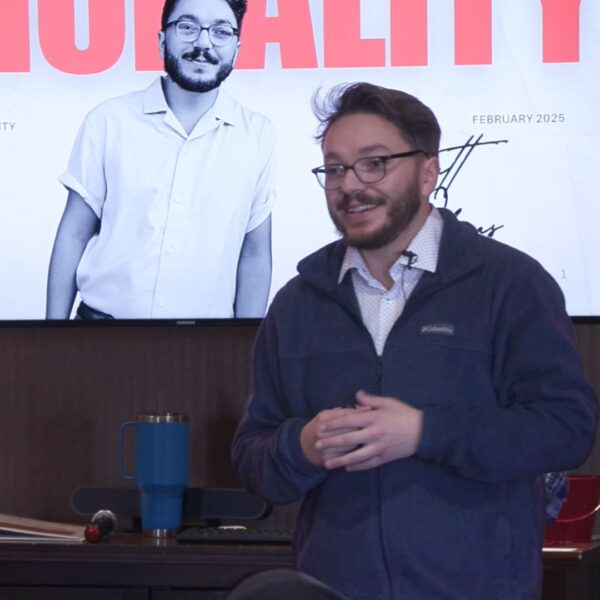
<point>439,363</point>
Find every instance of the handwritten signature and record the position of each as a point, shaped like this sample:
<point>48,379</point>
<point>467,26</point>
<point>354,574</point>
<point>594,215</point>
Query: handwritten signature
<point>449,174</point>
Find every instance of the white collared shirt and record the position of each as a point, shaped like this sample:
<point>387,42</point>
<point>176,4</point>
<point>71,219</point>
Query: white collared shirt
<point>174,207</point>
<point>380,308</point>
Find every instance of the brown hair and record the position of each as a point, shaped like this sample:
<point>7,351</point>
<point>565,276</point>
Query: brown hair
<point>237,6</point>
<point>415,121</point>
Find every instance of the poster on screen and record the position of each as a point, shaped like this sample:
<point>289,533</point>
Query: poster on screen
<point>515,85</point>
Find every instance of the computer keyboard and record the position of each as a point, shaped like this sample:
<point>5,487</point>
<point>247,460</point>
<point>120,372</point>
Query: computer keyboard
<point>234,534</point>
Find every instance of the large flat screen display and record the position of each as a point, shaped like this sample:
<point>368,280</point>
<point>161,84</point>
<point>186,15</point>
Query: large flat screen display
<point>515,85</point>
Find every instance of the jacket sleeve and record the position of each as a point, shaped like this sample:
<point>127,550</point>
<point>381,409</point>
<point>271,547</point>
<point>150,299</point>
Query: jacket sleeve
<point>545,417</point>
<point>266,450</point>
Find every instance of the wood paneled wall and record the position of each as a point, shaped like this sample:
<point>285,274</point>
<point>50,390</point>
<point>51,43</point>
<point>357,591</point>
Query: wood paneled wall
<point>65,390</point>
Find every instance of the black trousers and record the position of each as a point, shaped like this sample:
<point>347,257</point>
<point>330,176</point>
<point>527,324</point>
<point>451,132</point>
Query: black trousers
<point>87,313</point>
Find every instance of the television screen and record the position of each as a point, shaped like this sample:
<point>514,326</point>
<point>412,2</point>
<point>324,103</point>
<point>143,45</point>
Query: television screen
<point>514,85</point>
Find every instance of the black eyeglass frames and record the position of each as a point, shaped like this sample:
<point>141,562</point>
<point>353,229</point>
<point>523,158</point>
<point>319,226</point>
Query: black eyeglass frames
<point>219,34</point>
<point>369,169</point>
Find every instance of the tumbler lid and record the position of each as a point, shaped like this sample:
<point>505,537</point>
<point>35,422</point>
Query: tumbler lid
<point>162,417</point>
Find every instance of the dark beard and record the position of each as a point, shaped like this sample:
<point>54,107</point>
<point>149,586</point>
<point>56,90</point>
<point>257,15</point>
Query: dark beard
<point>400,213</point>
<point>173,70</point>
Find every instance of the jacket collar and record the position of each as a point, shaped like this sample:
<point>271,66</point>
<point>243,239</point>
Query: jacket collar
<point>460,253</point>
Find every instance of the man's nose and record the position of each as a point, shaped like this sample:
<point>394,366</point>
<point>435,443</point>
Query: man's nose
<point>203,40</point>
<point>351,182</point>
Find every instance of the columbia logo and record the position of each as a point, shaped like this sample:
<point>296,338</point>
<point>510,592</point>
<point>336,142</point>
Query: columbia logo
<point>438,329</point>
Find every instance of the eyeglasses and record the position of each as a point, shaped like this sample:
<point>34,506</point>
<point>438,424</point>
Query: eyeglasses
<point>219,34</point>
<point>370,169</point>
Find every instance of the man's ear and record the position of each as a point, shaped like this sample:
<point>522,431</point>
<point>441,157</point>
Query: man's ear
<point>429,175</point>
<point>161,44</point>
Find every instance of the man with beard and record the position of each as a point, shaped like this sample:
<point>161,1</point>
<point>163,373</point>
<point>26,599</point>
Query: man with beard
<point>170,189</point>
<point>413,382</point>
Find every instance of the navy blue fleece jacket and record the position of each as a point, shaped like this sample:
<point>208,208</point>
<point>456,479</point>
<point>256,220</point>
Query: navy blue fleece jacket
<point>484,347</point>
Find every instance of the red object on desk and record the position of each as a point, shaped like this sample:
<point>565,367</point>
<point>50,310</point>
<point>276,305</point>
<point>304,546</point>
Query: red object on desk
<point>93,533</point>
<point>575,521</point>
<point>102,525</point>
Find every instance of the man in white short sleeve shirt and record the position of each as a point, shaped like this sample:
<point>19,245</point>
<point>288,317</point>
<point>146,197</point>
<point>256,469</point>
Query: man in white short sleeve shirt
<point>170,189</point>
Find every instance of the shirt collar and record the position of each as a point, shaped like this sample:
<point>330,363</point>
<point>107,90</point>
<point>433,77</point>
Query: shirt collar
<point>223,109</point>
<point>425,246</point>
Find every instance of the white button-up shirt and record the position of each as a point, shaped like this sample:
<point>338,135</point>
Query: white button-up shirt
<point>380,307</point>
<point>174,207</point>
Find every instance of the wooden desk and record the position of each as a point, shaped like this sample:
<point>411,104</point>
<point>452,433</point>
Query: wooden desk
<point>135,568</point>
<point>572,573</point>
<point>131,568</point>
